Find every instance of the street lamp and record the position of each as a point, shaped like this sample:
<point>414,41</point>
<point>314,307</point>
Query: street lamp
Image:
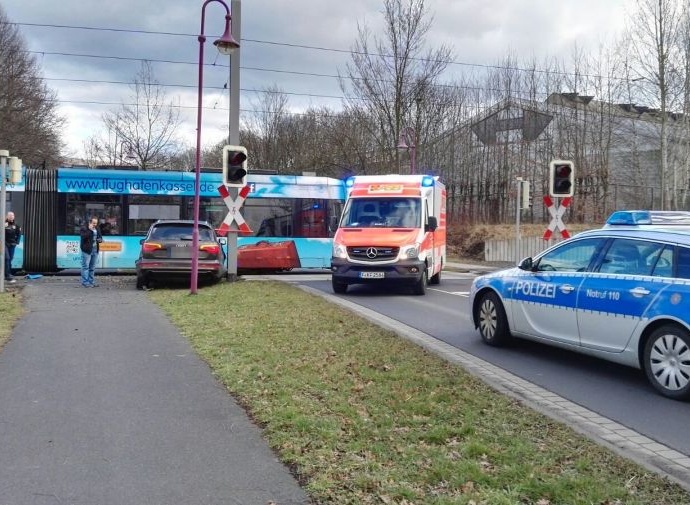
<point>408,141</point>
<point>226,45</point>
<point>130,153</point>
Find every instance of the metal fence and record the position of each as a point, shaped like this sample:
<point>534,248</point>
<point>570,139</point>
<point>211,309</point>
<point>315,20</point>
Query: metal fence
<point>513,251</point>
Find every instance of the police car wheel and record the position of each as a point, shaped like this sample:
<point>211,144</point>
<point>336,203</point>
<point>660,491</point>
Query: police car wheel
<point>493,324</point>
<point>667,361</point>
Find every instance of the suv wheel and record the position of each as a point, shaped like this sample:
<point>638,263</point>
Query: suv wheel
<point>141,281</point>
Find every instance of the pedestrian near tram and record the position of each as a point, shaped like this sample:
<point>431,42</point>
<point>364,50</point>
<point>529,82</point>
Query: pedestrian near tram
<point>89,244</point>
<point>13,234</point>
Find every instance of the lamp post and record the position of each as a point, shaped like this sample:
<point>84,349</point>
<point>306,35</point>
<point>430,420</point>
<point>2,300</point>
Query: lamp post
<point>226,45</point>
<point>408,141</point>
<point>129,156</point>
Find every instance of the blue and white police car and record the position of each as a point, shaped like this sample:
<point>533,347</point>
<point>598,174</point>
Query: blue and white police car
<point>621,293</point>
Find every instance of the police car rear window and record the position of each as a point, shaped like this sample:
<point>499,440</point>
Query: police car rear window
<point>683,266</point>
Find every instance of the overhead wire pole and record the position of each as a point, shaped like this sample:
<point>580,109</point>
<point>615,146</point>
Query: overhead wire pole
<point>234,122</point>
<point>4,156</point>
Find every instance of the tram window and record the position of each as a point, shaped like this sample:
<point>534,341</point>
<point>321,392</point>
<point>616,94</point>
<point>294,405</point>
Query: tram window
<point>287,217</point>
<point>144,210</point>
<point>80,208</point>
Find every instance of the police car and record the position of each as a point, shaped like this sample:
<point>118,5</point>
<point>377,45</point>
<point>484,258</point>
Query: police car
<point>621,293</point>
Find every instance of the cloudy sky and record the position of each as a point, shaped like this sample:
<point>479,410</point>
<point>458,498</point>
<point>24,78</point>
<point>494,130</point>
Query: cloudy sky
<point>297,45</point>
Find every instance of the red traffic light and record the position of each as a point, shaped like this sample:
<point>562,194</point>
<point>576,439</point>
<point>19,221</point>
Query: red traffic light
<point>235,166</point>
<point>238,158</point>
<point>563,170</point>
<point>561,178</point>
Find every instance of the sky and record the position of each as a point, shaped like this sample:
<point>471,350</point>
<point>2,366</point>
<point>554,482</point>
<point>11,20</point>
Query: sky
<point>298,46</point>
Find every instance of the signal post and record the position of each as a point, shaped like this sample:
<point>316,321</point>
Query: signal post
<point>561,185</point>
<point>234,183</point>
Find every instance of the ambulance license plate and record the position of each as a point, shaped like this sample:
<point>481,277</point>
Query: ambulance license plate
<point>372,275</point>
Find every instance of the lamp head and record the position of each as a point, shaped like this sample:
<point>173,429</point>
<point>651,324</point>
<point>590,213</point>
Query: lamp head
<point>227,44</point>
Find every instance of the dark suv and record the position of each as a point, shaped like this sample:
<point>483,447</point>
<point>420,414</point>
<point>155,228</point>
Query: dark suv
<point>166,253</point>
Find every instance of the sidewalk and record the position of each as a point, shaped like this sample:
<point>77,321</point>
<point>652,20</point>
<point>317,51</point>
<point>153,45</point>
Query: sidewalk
<point>103,402</point>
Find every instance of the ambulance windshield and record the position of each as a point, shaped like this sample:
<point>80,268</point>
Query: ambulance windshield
<point>390,212</point>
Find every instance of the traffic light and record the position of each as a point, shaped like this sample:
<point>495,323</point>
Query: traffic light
<point>15,170</point>
<point>561,178</point>
<point>235,166</point>
<point>525,198</point>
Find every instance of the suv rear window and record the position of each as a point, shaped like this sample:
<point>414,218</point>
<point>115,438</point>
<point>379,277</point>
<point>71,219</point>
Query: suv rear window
<point>180,232</point>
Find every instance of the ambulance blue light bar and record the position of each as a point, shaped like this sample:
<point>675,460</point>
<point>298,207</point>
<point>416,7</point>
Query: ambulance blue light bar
<point>427,181</point>
<point>648,217</point>
<point>349,182</point>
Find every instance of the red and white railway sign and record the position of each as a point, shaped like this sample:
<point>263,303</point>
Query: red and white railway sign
<point>234,215</point>
<point>556,217</point>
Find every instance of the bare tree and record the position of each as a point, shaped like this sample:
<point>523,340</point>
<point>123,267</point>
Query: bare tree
<point>654,41</point>
<point>269,123</point>
<point>31,125</point>
<point>146,129</point>
<point>390,80</point>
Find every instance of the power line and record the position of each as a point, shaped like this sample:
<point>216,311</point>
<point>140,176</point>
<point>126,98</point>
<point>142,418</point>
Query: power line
<point>268,91</point>
<point>309,74</point>
<point>221,88</point>
<point>317,48</point>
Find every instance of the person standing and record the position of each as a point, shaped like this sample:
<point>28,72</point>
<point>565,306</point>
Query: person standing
<point>89,245</point>
<point>13,234</point>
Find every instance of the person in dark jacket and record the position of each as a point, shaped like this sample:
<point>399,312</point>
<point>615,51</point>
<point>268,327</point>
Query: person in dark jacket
<point>13,234</point>
<point>89,245</point>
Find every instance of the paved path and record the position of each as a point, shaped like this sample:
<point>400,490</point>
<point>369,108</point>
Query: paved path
<point>103,402</point>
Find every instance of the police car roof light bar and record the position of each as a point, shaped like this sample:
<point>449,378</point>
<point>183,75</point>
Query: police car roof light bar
<point>648,217</point>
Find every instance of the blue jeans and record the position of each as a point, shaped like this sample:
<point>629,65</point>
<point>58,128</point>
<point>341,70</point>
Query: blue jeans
<point>88,265</point>
<point>9,256</point>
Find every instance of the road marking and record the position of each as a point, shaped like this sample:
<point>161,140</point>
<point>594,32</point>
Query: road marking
<point>466,294</point>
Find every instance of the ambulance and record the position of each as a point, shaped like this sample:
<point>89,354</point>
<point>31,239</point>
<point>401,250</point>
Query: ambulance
<point>392,231</point>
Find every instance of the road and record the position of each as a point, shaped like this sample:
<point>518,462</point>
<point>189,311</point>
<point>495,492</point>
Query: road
<point>616,392</point>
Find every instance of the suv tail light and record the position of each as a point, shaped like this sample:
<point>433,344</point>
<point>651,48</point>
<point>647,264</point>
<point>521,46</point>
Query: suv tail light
<point>210,248</point>
<point>151,246</point>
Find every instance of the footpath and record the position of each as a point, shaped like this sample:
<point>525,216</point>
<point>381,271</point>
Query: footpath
<point>103,402</point>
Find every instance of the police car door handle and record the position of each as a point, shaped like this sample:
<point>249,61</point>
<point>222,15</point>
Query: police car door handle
<point>567,288</point>
<point>638,292</point>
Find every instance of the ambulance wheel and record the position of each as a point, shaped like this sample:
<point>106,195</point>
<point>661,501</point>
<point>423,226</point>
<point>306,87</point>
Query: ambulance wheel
<point>435,279</point>
<point>420,286</point>
<point>667,361</point>
<point>339,288</point>
<point>492,320</point>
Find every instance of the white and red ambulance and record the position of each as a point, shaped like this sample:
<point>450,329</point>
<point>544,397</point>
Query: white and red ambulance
<point>393,230</point>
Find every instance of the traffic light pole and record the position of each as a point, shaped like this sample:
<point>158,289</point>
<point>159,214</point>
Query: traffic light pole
<point>518,237</point>
<point>234,122</point>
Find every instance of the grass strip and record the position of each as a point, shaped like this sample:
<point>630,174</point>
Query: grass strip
<point>11,309</point>
<point>362,416</point>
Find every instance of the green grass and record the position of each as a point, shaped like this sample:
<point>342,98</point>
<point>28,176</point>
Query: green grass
<point>362,416</point>
<point>11,310</point>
